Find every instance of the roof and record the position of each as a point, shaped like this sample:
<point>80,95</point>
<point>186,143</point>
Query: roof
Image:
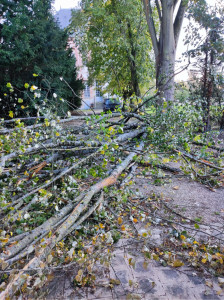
<point>63,17</point>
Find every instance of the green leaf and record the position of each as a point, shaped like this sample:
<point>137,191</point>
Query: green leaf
<point>196,226</point>
<point>197,138</point>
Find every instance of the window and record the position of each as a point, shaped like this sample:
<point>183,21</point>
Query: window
<point>86,91</point>
<point>98,93</point>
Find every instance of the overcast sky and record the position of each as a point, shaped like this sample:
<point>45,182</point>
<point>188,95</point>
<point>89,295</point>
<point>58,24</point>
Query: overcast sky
<point>65,4</point>
<point>74,3</point>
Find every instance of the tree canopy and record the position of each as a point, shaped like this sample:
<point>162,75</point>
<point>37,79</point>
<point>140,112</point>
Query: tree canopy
<point>114,43</point>
<point>33,43</point>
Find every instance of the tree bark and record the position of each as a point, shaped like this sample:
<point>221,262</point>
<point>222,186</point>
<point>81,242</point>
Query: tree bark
<point>222,122</point>
<point>132,61</point>
<point>167,53</point>
<point>164,41</point>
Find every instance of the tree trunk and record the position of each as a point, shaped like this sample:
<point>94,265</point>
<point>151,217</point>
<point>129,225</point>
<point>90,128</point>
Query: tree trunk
<point>165,40</point>
<point>165,62</point>
<point>222,122</point>
<point>132,61</point>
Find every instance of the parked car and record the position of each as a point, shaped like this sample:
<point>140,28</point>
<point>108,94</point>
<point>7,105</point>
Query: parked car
<point>111,104</point>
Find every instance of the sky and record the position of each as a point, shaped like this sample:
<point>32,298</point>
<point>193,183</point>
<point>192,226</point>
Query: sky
<point>74,3</point>
<point>65,4</point>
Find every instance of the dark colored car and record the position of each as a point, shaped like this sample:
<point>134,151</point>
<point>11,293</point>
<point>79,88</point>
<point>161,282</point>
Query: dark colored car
<point>111,104</point>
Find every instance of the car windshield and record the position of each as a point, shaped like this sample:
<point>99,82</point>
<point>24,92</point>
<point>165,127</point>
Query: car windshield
<point>111,101</point>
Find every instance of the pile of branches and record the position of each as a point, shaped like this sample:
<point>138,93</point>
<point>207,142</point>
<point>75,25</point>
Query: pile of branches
<point>53,176</point>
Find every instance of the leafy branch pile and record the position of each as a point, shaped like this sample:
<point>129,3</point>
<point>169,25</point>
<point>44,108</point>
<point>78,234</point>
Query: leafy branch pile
<point>55,200</point>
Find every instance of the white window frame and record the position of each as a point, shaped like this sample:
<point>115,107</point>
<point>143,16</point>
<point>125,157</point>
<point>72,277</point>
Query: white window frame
<point>86,90</point>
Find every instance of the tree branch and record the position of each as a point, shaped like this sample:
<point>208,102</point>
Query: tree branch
<point>159,10</point>
<point>179,20</point>
<point>151,26</point>
<point>175,3</point>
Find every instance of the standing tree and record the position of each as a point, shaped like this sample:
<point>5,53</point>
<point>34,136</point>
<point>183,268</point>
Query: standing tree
<point>207,57</point>
<point>32,43</point>
<point>113,40</point>
<point>165,39</point>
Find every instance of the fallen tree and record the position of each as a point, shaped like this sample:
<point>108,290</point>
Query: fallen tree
<point>51,184</point>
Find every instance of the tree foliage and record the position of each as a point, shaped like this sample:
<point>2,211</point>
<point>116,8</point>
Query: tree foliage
<point>206,37</point>
<point>113,40</point>
<point>33,43</point>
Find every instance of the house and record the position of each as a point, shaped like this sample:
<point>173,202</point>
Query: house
<point>91,95</point>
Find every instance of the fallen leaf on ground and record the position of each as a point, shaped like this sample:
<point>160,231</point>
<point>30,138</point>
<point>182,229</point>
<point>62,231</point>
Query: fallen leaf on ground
<point>177,263</point>
<point>176,187</point>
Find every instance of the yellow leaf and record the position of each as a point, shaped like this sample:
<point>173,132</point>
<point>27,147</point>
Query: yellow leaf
<point>155,257</point>
<point>177,263</point>
<point>101,225</point>
<point>182,237</point>
<point>135,220</point>
<point>218,254</point>
<point>204,260</point>
<point>57,133</point>
<point>33,88</point>
<point>11,114</point>
<point>123,228</point>
<point>115,281</point>
<point>165,160</point>
<point>4,240</point>
<point>120,220</point>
